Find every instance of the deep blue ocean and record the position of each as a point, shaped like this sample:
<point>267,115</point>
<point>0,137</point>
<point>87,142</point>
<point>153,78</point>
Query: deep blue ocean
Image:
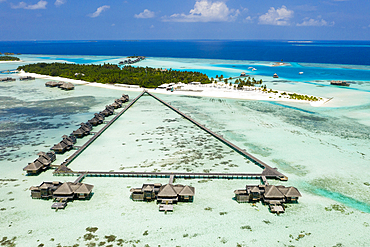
<point>333,52</point>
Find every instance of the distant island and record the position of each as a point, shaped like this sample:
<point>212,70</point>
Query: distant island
<point>109,73</point>
<point>9,58</point>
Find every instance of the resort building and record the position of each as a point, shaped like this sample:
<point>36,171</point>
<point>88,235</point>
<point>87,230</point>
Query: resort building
<point>272,195</point>
<point>166,195</point>
<point>84,130</point>
<point>65,145</point>
<point>62,192</point>
<point>67,86</point>
<point>41,163</point>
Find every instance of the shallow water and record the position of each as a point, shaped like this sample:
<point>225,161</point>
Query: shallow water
<point>323,150</point>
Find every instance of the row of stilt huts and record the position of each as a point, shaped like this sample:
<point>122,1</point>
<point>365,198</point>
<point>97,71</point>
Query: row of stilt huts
<point>67,143</point>
<point>22,78</point>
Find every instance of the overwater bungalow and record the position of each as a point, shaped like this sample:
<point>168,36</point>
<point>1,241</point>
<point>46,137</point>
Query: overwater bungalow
<point>41,163</point>
<point>147,192</point>
<point>70,191</point>
<point>65,145</point>
<point>26,78</point>
<point>164,194</point>
<point>62,192</point>
<point>60,148</point>
<point>53,83</point>
<point>95,121</point>
<point>7,79</point>
<point>45,190</point>
<point>124,98</point>
<point>109,110</point>
<point>243,74</point>
<point>275,76</point>
<point>117,104</point>
<point>84,130</point>
<point>268,194</point>
<point>80,132</point>
<point>67,86</point>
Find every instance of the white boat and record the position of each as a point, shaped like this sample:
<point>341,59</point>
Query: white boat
<point>254,69</point>
<point>250,67</point>
<point>301,73</point>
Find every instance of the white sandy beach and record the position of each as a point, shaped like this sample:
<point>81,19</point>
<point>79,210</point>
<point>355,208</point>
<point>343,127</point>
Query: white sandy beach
<point>203,90</point>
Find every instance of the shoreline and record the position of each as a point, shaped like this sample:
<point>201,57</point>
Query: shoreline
<point>203,90</point>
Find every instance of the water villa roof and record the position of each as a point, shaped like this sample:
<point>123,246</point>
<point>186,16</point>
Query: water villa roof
<point>33,167</point>
<point>178,188</point>
<point>84,188</point>
<point>64,190</point>
<point>293,192</point>
<point>147,187</point>
<point>273,192</point>
<point>167,191</point>
<point>187,191</point>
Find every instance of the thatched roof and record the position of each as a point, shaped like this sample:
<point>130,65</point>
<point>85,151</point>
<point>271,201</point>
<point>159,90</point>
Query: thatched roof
<point>273,192</point>
<point>293,192</point>
<point>237,192</point>
<point>59,146</point>
<point>147,187</point>
<point>187,191</point>
<point>167,191</point>
<point>34,166</point>
<point>271,172</point>
<point>85,189</point>
<point>78,131</point>
<point>64,189</point>
<point>178,187</point>
<point>255,190</point>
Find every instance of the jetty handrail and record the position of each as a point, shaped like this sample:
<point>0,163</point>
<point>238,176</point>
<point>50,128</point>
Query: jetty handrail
<point>91,140</point>
<point>168,174</point>
<point>233,146</point>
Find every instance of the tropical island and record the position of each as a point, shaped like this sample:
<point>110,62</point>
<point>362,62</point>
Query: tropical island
<point>9,58</point>
<point>112,74</point>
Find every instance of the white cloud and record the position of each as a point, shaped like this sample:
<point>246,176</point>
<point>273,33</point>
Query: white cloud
<point>60,2</point>
<point>279,16</point>
<point>248,19</point>
<point>206,11</point>
<point>99,10</point>
<point>145,14</point>
<point>22,5</point>
<point>312,22</point>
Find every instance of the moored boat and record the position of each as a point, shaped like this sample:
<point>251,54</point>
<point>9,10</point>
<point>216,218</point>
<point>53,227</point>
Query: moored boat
<point>339,83</point>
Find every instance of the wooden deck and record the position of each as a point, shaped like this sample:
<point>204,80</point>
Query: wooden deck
<point>185,175</point>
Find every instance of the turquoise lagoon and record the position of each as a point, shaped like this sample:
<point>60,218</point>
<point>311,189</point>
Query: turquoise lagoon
<point>323,150</point>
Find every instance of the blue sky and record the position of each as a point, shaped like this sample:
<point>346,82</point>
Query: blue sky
<point>184,19</point>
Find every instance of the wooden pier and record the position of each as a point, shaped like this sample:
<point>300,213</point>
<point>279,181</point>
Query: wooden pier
<point>170,175</point>
<point>268,171</point>
<point>220,138</point>
<point>97,134</point>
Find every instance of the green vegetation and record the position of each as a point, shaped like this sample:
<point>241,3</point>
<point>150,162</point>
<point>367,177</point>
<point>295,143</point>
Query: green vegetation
<point>302,97</point>
<point>9,58</point>
<point>250,82</point>
<point>109,73</point>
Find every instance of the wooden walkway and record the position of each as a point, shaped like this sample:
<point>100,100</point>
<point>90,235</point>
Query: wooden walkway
<point>268,171</point>
<point>173,175</point>
<point>97,134</point>
<point>79,179</point>
<point>220,138</point>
